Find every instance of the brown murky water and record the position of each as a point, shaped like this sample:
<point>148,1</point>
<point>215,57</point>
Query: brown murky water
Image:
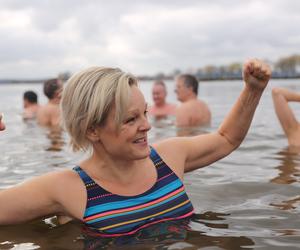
<point>249,200</point>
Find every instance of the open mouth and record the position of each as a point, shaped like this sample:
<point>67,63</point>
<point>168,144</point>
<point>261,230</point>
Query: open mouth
<point>141,140</point>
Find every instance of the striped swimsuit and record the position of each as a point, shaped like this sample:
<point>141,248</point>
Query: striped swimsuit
<point>115,215</point>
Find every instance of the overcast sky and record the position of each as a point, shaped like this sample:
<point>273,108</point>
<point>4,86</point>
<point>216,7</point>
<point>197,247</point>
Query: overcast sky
<point>40,38</point>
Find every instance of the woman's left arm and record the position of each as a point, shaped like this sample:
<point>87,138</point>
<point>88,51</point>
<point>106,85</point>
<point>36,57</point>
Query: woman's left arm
<point>191,153</point>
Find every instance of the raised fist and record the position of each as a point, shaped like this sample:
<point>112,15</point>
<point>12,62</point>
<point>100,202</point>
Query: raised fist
<point>256,74</point>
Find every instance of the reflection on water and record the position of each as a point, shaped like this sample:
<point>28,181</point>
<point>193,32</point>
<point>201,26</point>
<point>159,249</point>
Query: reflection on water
<point>289,168</point>
<point>208,219</point>
<point>166,235</point>
<point>288,204</point>
<point>56,140</point>
<point>42,235</point>
<point>289,172</point>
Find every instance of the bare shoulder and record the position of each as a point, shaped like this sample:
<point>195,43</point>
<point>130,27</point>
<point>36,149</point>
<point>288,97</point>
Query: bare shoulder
<point>202,104</point>
<point>42,109</point>
<point>172,153</point>
<point>48,109</point>
<point>65,178</point>
<point>68,189</point>
<point>192,105</point>
<point>57,179</point>
<point>181,110</point>
<point>42,115</point>
<point>65,175</point>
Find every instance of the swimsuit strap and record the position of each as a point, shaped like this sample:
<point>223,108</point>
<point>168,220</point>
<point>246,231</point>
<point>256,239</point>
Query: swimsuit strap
<point>84,176</point>
<point>163,170</point>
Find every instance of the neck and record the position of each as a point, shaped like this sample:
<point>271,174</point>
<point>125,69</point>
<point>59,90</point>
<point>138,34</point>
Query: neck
<point>190,98</point>
<point>102,165</point>
<point>159,105</point>
<point>53,101</point>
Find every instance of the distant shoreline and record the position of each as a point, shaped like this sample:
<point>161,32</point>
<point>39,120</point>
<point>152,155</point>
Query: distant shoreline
<point>21,81</point>
<point>39,81</point>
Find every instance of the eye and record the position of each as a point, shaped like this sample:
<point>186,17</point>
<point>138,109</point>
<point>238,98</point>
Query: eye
<point>146,113</point>
<point>130,119</point>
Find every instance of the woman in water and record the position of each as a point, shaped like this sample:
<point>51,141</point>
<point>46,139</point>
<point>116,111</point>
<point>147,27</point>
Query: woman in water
<point>126,184</point>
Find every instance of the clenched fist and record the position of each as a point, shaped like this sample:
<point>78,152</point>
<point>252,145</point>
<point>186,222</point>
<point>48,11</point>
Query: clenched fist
<point>256,74</point>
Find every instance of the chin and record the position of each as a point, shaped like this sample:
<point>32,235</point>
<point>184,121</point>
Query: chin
<point>142,154</point>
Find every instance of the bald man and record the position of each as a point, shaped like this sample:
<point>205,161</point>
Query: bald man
<point>161,109</point>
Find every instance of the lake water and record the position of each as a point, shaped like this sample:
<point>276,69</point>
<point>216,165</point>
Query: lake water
<point>248,200</point>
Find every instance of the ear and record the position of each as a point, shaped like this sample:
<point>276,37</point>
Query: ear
<point>93,134</point>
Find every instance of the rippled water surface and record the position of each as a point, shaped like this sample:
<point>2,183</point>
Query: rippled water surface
<point>248,200</point>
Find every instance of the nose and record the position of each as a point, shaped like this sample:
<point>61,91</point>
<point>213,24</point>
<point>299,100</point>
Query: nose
<point>145,126</point>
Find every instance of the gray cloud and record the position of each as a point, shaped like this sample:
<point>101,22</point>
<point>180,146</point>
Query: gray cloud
<point>42,38</point>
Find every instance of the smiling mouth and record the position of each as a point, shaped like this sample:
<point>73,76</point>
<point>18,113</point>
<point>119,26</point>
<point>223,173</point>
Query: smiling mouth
<point>140,140</point>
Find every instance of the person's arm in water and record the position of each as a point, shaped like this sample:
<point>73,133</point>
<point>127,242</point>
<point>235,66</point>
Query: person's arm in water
<point>290,125</point>
<point>27,201</point>
<point>31,199</point>
<point>187,154</point>
<point>2,125</point>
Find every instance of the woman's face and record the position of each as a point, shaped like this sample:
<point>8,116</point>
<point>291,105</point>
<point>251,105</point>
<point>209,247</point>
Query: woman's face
<point>130,141</point>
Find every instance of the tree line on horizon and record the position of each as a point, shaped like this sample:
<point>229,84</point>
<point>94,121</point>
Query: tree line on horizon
<point>285,67</point>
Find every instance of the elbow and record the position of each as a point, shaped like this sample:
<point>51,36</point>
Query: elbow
<point>275,92</point>
<point>233,143</point>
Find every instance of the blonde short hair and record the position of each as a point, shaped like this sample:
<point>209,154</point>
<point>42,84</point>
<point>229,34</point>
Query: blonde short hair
<point>89,96</point>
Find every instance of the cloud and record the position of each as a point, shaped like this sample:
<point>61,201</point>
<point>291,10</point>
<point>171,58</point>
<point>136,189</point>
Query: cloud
<point>43,38</point>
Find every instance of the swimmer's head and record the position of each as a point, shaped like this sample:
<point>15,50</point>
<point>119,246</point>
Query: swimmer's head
<point>89,96</point>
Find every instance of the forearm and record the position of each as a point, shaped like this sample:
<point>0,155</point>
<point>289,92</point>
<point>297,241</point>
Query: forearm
<point>236,124</point>
<point>288,95</point>
<point>283,111</point>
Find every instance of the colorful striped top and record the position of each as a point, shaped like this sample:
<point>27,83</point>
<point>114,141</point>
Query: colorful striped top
<point>115,215</point>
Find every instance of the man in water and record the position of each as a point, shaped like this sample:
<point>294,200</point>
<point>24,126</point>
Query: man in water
<point>30,103</point>
<point>161,109</point>
<point>286,117</point>
<point>192,111</point>
<point>49,114</point>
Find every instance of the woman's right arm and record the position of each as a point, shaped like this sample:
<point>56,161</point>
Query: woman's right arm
<point>59,193</point>
<point>286,117</point>
<point>31,200</point>
<point>55,193</point>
